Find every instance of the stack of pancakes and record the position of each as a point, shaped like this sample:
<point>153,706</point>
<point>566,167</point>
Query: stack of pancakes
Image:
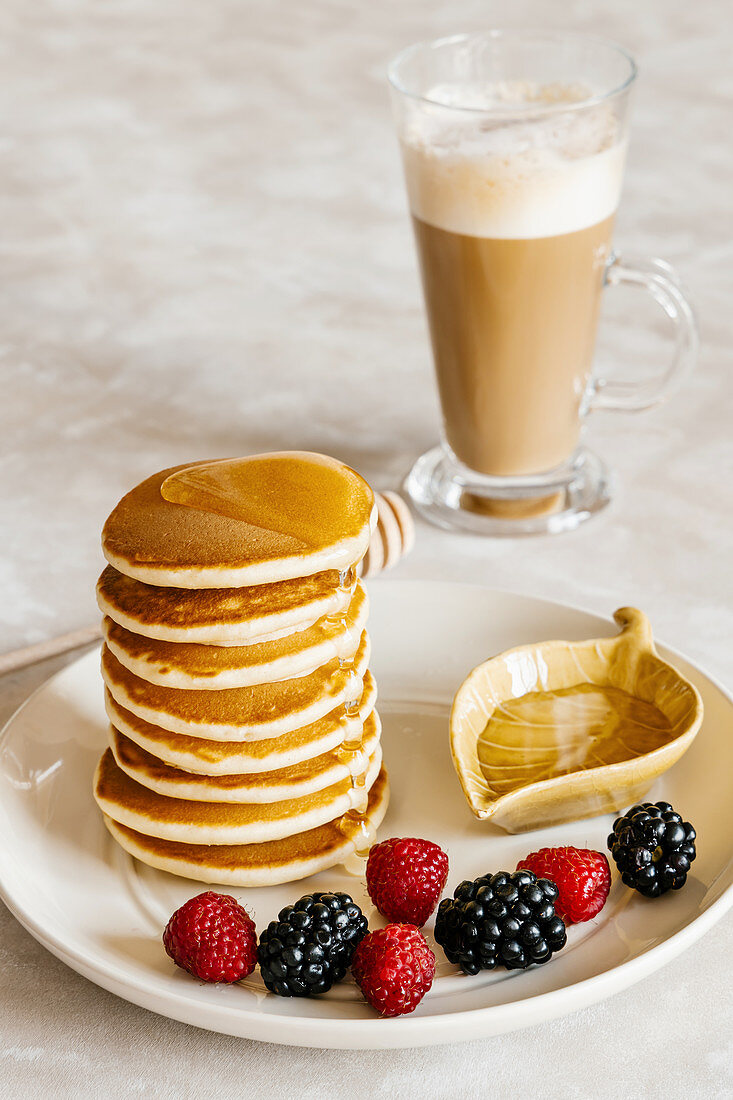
<point>244,743</point>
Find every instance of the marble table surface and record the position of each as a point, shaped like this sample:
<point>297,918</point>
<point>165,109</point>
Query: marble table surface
<point>205,251</point>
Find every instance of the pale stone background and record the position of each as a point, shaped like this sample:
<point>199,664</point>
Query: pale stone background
<point>204,251</point>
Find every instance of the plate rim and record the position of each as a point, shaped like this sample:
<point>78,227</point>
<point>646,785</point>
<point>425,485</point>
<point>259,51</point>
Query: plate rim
<point>377,1033</point>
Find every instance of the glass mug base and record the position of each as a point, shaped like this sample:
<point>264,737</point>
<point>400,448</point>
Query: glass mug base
<point>454,497</point>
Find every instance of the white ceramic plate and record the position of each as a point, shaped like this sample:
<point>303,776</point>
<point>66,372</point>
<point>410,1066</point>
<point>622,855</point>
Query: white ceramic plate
<point>103,914</point>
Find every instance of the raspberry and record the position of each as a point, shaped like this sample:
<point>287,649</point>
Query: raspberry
<point>394,968</point>
<point>581,875</point>
<point>212,937</point>
<point>405,878</point>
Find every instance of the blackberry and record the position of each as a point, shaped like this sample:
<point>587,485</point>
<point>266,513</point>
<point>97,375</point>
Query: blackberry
<point>653,848</point>
<point>507,919</point>
<point>310,945</point>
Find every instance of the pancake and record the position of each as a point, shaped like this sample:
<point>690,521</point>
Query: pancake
<point>192,665</point>
<point>129,803</point>
<point>239,714</point>
<point>207,757</point>
<point>267,786</point>
<point>253,865</point>
<point>247,521</point>
<point>220,616</point>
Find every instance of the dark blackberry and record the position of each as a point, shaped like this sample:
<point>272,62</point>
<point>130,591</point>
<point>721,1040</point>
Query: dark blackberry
<point>653,848</point>
<point>507,919</point>
<point>310,945</point>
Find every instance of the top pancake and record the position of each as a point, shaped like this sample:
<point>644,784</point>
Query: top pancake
<point>238,522</point>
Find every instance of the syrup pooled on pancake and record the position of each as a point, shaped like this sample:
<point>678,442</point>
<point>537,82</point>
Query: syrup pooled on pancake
<point>290,495</point>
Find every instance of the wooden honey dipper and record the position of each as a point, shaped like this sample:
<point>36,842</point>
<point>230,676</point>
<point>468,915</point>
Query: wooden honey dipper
<point>392,538</point>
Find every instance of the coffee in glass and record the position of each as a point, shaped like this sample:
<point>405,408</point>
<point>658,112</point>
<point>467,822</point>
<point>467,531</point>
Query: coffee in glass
<point>513,148</point>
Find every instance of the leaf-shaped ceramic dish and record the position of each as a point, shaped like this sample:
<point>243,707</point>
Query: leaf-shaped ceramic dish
<point>561,730</point>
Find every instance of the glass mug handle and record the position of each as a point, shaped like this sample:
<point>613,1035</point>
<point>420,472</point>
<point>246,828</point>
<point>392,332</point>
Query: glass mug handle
<point>661,280</point>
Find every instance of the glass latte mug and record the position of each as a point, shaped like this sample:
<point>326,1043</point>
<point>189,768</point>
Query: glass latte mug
<point>513,147</point>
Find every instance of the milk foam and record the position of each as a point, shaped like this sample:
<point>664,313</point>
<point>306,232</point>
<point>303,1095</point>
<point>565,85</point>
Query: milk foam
<point>504,178</point>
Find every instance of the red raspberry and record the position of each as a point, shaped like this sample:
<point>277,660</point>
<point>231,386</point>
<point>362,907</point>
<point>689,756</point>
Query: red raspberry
<point>394,968</point>
<point>212,937</point>
<point>582,876</point>
<point>405,878</point>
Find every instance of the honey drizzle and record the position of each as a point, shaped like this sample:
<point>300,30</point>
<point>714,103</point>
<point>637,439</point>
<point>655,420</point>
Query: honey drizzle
<point>354,823</point>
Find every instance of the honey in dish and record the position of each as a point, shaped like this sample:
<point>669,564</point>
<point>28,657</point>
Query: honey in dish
<point>546,734</point>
